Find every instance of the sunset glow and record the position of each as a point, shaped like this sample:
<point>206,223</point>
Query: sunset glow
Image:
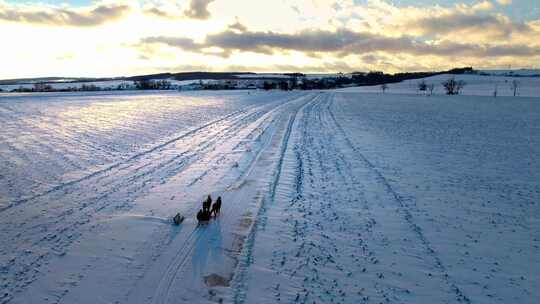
<point>115,38</point>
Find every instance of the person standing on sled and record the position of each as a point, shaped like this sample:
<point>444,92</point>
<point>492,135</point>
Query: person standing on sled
<point>207,203</point>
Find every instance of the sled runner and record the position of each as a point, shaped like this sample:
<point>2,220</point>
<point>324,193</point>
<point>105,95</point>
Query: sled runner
<point>203,216</point>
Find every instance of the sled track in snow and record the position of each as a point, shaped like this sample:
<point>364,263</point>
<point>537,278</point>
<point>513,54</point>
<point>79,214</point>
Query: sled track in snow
<point>139,155</point>
<point>407,214</point>
<point>317,157</point>
<point>161,296</point>
<point>175,267</point>
<point>246,255</point>
<point>131,177</point>
<point>118,164</point>
<point>308,249</point>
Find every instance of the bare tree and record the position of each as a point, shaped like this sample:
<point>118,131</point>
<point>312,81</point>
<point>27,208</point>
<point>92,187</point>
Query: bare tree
<point>422,86</point>
<point>144,84</point>
<point>384,87</point>
<point>431,87</point>
<point>514,86</point>
<point>452,86</point>
<point>42,87</point>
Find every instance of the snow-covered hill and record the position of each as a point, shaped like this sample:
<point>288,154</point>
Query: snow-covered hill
<point>510,72</point>
<point>476,85</point>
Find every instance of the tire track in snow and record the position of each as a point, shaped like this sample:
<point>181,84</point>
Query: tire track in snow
<point>116,165</point>
<point>460,296</point>
<point>317,246</point>
<point>267,120</point>
<point>313,254</point>
<point>112,184</point>
<point>245,258</point>
<point>163,291</point>
<point>323,246</point>
<point>360,221</point>
<point>176,266</point>
<point>164,287</point>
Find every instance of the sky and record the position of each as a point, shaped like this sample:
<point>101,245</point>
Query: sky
<point>104,38</point>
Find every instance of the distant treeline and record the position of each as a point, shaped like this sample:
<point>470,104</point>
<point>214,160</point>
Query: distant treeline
<point>300,81</point>
<point>375,78</point>
<point>287,81</point>
<point>45,87</point>
<point>190,76</point>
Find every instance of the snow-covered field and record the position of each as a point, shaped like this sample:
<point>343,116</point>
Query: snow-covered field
<point>105,85</point>
<point>475,85</point>
<point>328,197</point>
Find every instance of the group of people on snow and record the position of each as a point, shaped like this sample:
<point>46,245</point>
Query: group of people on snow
<point>208,209</point>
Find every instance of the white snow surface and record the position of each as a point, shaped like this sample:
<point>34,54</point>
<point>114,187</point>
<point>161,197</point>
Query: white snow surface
<point>510,72</point>
<point>328,197</point>
<point>107,84</point>
<point>475,85</point>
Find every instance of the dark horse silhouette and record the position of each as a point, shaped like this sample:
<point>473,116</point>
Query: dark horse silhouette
<point>216,207</point>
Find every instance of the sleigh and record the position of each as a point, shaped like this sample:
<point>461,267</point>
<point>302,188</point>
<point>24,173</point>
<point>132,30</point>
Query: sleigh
<point>178,219</point>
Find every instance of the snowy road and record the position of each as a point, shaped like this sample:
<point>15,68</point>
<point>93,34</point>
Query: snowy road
<point>328,198</point>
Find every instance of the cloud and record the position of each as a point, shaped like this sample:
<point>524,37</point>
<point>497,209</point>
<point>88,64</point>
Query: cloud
<point>265,42</point>
<point>178,42</point>
<point>488,26</point>
<point>476,23</point>
<point>237,26</point>
<point>324,67</point>
<point>296,9</point>
<point>326,35</point>
<point>198,9</point>
<point>483,6</point>
<point>504,2</point>
<point>341,42</point>
<point>66,56</point>
<point>61,16</point>
<point>370,59</point>
<point>158,12</point>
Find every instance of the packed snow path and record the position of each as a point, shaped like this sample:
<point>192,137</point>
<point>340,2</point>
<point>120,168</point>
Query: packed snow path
<point>328,198</point>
